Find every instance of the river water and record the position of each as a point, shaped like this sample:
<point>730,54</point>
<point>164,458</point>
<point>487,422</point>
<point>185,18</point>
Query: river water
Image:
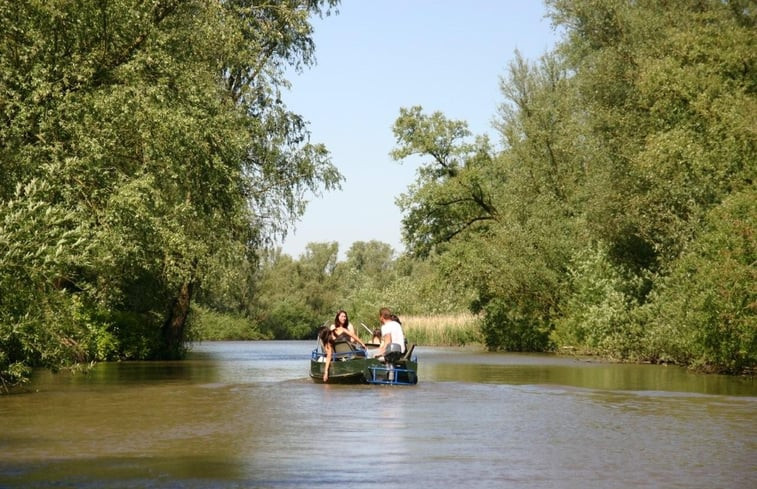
<point>246,415</point>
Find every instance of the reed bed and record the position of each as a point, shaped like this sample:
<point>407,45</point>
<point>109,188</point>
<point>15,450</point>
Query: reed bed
<point>442,330</point>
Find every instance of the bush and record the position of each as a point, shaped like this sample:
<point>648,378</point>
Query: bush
<point>58,331</point>
<point>506,328</point>
<point>138,334</point>
<point>597,317</point>
<point>287,321</point>
<point>705,313</point>
<point>210,325</point>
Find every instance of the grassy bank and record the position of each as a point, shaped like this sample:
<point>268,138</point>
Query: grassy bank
<point>444,330</point>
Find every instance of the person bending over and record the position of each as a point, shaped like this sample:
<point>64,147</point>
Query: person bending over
<point>327,343</point>
<point>338,331</point>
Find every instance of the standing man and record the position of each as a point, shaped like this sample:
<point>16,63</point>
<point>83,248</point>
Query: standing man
<point>391,332</point>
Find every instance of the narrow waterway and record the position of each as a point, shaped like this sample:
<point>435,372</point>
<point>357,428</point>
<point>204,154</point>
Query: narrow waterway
<point>246,415</point>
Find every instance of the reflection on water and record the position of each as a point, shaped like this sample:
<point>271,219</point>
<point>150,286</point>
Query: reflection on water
<point>592,375</point>
<point>246,415</point>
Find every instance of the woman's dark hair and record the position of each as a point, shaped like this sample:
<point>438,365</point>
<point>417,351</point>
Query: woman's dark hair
<point>324,334</point>
<point>346,318</point>
<point>396,318</point>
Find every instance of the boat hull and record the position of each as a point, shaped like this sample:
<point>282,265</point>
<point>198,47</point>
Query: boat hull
<point>362,370</point>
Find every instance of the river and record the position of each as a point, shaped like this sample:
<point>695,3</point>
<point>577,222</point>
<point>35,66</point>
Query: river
<point>246,415</point>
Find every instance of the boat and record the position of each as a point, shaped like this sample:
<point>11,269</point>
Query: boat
<point>350,364</point>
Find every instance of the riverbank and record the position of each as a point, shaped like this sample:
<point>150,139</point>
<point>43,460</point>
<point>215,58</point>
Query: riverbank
<point>456,330</point>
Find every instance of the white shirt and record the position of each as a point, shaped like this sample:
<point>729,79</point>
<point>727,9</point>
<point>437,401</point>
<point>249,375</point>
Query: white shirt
<point>394,329</point>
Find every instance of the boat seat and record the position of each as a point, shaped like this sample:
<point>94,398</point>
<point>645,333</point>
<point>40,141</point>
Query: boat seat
<point>344,350</point>
<point>343,347</point>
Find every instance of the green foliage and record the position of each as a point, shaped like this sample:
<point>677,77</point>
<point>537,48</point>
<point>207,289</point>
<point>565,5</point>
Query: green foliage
<point>294,297</point>
<point>420,289</point>
<point>505,327</point>
<point>371,260</point>
<point>289,321</point>
<point>501,224</point>
<point>210,325</point>
<point>138,334</point>
<point>38,244</point>
<point>617,147</point>
<point>165,155</point>
<point>705,312</point>
<point>597,317</point>
<point>451,197</point>
<point>670,90</point>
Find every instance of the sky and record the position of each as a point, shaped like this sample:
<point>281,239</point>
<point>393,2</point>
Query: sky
<point>376,57</point>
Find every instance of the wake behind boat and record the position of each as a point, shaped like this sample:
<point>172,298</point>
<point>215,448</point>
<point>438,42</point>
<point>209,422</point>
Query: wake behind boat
<point>352,364</point>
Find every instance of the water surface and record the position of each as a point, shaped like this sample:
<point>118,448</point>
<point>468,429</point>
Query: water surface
<point>245,415</point>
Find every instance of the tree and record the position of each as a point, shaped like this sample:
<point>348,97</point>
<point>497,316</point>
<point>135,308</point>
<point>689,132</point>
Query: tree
<point>159,128</point>
<point>666,91</point>
<point>294,297</point>
<point>450,197</point>
<point>705,312</point>
<point>503,224</point>
<point>370,258</point>
<point>363,277</point>
<point>670,92</point>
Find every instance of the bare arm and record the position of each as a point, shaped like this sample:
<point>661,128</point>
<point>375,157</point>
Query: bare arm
<point>356,338</point>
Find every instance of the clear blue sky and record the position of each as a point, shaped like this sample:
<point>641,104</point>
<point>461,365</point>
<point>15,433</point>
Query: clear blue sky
<point>378,56</point>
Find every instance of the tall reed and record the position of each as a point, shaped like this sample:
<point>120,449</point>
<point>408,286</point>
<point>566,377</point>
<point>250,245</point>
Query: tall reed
<point>442,330</point>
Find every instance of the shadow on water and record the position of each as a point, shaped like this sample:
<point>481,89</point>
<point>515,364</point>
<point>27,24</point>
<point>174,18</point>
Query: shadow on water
<point>163,472</point>
<point>123,374</point>
<point>123,472</point>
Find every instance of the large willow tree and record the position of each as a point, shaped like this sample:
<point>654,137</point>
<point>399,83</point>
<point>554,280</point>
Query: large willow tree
<point>144,146</point>
<point>618,217</point>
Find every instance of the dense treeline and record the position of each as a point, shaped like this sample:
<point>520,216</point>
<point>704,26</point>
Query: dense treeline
<point>146,157</point>
<point>148,163</point>
<point>618,218</point>
<point>294,296</point>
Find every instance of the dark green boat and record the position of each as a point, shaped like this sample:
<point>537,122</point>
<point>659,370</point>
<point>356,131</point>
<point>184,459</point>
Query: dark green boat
<point>350,365</point>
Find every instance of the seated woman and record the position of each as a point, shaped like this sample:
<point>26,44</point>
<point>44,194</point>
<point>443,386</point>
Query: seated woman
<point>342,330</point>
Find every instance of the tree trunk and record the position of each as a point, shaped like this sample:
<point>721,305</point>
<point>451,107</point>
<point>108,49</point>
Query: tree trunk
<point>174,327</point>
